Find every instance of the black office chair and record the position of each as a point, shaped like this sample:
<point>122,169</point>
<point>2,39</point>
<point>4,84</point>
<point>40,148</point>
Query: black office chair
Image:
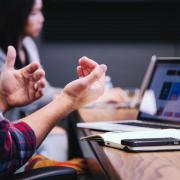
<point>54,172</point>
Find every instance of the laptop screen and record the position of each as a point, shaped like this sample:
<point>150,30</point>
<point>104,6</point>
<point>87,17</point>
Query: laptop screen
<point>165,84</point>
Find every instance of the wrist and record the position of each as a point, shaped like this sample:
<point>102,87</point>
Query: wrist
<point>66,100</point>
<point>3,104</point>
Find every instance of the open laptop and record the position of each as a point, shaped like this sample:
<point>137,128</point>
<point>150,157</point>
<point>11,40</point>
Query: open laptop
<point>163,80</point>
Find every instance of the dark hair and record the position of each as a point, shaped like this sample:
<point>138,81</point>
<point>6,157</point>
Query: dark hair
<point>13,18</point>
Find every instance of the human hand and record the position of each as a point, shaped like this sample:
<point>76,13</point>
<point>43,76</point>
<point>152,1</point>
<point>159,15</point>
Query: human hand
<point>90,84</point>
<point>20,87</point>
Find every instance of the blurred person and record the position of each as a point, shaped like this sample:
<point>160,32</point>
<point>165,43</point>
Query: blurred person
<point>20,22</point>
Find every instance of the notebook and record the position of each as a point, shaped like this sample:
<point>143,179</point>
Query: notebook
<point>152,140</point>
<point>160,107</point>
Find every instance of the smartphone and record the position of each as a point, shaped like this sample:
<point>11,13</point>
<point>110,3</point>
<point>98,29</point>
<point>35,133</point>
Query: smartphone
<point>150,142</point>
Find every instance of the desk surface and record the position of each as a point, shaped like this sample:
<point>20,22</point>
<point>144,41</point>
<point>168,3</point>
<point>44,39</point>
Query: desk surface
<point>109,163</point>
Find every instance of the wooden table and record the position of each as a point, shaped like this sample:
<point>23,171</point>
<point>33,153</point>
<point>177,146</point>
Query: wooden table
<point>109,163</point>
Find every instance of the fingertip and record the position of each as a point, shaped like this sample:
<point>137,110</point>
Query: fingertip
<point>11,51</point>
<point>11,48</point>
<point>87,63</point>
<point>39,93</point>
<point>82,59</point>
<point>103,67</point>
<point>78,67</point>
<point>42,83</point>
<point>35,66</point>
<point>34,70</point>
<point>31,68</point>
<point>42,72</point>
<point>79,71</point>
<point>39,74</point>
<point>11,56</point>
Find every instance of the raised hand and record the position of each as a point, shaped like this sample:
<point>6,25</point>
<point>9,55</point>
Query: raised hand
<point>89,86</point>
<point>20,87</point>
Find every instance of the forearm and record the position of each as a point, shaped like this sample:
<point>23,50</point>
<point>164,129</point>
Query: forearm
<point>43,120</point>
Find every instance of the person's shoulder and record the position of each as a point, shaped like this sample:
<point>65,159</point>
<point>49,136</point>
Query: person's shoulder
<point>29,42</point>
<point>31,48</point>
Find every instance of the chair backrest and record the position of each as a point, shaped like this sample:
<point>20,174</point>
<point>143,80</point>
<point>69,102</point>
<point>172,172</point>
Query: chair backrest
<point>54,172</point>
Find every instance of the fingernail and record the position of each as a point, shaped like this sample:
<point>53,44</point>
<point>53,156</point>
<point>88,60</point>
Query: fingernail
<point>84,57</point>
<point>103,67</point>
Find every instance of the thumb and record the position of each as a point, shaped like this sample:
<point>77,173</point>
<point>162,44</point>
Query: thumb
<point>11,57</point>
<point>96,74</point>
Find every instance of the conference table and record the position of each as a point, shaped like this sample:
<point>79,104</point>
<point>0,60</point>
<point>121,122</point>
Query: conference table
<point>110,163</point>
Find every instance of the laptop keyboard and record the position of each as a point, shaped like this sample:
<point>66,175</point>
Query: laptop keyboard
<point>149,125</point>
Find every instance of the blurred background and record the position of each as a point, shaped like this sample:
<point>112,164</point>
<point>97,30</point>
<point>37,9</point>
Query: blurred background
<point>123,34</point>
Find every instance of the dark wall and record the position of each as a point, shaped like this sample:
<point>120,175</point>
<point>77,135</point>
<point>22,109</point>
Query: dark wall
<point>126,62</point>
<point>126,49</point>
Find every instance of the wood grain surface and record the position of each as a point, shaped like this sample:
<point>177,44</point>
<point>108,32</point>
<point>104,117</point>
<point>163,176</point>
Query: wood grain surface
<point>99,114</point>
<point>118,164</point>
